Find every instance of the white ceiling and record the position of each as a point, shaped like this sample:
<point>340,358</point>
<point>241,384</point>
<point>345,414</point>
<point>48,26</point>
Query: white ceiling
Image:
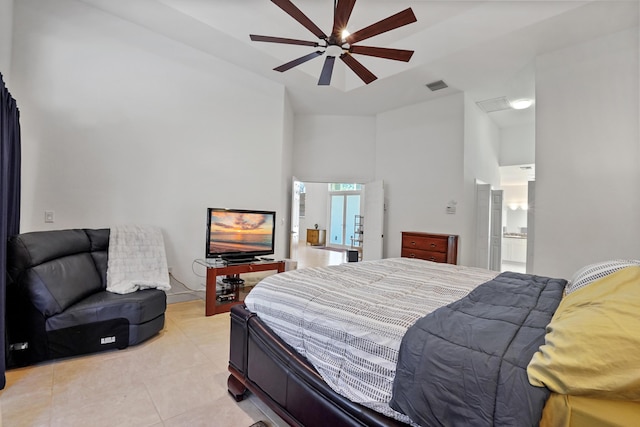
<point>484,48</point>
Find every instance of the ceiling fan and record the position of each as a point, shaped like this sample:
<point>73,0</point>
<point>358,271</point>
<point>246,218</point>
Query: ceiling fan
<point>339,43</point>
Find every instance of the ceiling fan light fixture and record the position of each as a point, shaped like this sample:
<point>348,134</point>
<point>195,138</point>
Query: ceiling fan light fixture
<point>521,104</point>
<point>339,42</point>
<point>334,50</point>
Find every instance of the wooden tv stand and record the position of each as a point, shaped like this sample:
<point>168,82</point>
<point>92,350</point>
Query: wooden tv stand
<point>212,304</point>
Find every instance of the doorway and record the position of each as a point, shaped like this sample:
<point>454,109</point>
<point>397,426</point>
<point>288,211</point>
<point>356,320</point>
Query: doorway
<point>315,213</point>
<point>516,217</point>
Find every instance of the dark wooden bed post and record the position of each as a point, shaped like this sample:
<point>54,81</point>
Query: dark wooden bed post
<point>238,352</point>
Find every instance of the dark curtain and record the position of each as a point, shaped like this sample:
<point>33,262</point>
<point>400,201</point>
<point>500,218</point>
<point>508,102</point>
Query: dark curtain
<point>9,199</point>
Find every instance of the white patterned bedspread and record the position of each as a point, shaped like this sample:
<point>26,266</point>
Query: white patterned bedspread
<point>348,320</point>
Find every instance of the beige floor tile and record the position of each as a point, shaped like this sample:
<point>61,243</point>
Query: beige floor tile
<point>129,406</point>
<point>177,378</point>
<point>185,390</point>
<point>223,412</point>
<point>185,310</point>
<point>205,328</point>
<point>29,381</point>
<point>29,413</point>
<point>217,354</point>
<point>27,396</point>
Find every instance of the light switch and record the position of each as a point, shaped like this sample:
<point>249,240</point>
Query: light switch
<point>451,207</point>
<point>48,216</point>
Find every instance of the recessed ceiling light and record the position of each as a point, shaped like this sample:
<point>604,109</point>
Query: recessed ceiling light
<point>521,104</point>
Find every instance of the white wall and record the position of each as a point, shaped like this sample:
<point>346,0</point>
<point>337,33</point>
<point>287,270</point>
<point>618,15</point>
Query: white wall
<point>419,156</point>
<point>286,184</point>
<point>331,149</point>
<point>120,125</point>
<point>334,148</point>
<point>419,153</point>
<point>6,31</point>
<point>515,194</point>
<point>317,208</point>
<point>518,145</point>
<point>481,153</point>
<point>587,155</point>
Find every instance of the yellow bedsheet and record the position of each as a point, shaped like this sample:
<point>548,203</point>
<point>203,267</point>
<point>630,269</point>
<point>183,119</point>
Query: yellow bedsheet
<point>591,345</point>
<point>563,410</point>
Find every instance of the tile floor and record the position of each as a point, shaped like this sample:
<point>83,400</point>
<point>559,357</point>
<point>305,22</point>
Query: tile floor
<point>177,378</point>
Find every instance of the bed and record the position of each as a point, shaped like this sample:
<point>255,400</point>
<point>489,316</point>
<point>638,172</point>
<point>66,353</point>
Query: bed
<point>411,342</point>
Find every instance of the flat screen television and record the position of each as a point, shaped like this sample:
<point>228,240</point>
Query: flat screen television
<point>238,235</point>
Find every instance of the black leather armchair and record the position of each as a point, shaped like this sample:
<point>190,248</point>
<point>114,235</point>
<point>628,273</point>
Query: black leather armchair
<point>57,303</point>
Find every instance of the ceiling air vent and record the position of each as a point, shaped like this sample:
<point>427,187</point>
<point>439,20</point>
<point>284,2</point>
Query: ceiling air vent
<point>440,84</point>
<point>495,104</point>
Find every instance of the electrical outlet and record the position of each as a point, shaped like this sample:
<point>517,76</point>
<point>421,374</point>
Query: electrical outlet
<point>49,216</point>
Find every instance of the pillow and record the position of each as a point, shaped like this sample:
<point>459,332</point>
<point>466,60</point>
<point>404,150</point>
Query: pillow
<point>592,343</point>
<point>593,272</point>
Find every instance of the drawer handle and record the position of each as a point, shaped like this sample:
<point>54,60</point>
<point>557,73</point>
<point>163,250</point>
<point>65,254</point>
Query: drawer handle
<point>412,255</point>
<point>432,259</point>
<point>413,243</point>
<point>433,245</point>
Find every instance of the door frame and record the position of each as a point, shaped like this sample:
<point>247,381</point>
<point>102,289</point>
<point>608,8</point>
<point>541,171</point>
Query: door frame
<point>373,224</point>
<point>294,232</point>
<point>483,218</point>
<point>495,236</point>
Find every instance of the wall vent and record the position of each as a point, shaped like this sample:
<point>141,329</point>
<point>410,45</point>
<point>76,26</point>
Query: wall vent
<point>494,104</point>
<point>440,84</point>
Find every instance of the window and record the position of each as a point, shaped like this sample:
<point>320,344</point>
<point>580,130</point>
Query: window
<point>344,187</point>
<point>344,202</point>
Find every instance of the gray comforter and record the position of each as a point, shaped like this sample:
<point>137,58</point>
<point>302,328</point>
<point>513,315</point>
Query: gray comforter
<point>465,364</point>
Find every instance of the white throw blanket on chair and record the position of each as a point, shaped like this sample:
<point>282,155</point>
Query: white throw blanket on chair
<point>137,259</point>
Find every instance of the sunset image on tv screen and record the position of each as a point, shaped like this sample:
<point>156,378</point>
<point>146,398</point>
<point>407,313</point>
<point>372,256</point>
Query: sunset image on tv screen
<point>240,232</point>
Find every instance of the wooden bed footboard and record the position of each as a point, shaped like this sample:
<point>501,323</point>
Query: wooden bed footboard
<point>260,362</point>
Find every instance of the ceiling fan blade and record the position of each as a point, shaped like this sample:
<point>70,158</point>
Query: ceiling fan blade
<point>296,62</point>
<point>341,17</point>
<point>391,23</point>
<point>327,70</point>
<point>297,14</point>
<point>362,72</point>
<point>383,52</point>
<point>283,40</point>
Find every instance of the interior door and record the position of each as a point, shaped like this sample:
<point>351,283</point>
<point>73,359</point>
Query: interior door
<point>495,251</point>
<point>483,212</point>
<point>373,222</point>
<point>294,236</point>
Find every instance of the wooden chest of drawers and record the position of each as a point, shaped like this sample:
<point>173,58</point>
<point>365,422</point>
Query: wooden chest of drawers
<point>316,237</point>
<point>431,247</point>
